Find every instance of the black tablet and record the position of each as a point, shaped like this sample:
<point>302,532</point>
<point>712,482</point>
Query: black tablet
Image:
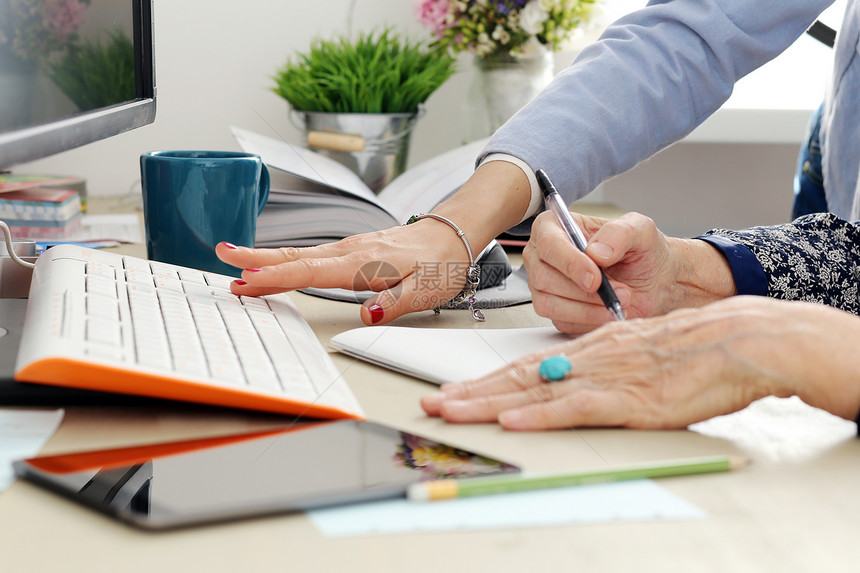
<point>306,465</point>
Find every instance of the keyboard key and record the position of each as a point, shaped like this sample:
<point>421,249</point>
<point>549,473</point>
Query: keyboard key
<point>104,331</point>
<point>101,269</point>
<point>102,306</point>
<point>101,285</point>
<point>139,276</point>
<point>225,296</point>
<point>105,353</point>
<point>219,281</point>
<point>171,282</point>
<point>252,301</point>
<point>135,264</point>
<point>192,276</point>
<point>164,269</point>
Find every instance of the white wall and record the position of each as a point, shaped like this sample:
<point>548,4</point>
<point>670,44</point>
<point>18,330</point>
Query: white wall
<point>215,59</point>
<point>690,188</point>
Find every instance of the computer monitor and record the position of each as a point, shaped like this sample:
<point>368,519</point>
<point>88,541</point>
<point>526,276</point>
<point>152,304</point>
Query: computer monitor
<point>72,72</point>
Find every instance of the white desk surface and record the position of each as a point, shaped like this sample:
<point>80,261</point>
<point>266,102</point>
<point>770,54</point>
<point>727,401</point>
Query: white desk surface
<point>794,509</point>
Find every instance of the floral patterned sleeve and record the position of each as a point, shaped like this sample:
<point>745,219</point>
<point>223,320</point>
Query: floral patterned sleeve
<point>815,258</point>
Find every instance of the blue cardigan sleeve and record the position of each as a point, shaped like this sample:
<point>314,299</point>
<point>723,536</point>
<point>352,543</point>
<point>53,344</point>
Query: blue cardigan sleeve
<point>746,269</point>
<point>652,78</point>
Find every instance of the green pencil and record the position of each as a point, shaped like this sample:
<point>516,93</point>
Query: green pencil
<point>490,485</point>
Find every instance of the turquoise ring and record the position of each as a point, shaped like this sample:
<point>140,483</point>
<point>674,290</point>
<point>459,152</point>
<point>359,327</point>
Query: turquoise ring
<point>554,368</point>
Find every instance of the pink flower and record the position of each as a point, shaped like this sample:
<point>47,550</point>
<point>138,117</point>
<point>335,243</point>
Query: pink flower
<point>433,15</point>
<point>63,17</point>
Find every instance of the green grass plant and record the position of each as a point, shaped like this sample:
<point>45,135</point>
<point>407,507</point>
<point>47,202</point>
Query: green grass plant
<point>95,74</point>
<point>376,73</point>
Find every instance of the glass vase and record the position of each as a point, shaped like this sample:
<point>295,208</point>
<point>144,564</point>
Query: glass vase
<point>18,87</point>
<point>502,84</point>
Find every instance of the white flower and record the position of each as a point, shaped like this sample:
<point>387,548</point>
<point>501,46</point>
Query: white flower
<point>533,17</point>
<point>484,45</point>
<point>501,35</point>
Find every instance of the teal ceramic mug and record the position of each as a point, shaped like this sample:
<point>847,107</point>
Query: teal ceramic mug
<point>192,200</point>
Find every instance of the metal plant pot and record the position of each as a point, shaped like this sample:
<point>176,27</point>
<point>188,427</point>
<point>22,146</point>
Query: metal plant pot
<point>373,145</point>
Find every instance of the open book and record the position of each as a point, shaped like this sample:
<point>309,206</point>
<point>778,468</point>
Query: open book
<point>314,199</point>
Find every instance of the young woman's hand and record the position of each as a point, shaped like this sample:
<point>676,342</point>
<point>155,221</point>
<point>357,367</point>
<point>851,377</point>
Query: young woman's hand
<point>411,268</point>
<point>404,265</point>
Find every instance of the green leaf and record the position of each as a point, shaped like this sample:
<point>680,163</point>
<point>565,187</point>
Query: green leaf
<point>377,73</point>
<point>96,74</point>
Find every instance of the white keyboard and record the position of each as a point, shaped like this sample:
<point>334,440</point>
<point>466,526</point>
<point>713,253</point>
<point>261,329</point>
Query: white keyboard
<point>104,321</point>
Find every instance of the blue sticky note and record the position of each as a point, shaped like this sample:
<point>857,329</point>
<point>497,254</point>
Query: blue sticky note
<point>640,500</point>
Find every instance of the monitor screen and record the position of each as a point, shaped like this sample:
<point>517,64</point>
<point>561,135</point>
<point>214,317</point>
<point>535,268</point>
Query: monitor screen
<point>72,72</point>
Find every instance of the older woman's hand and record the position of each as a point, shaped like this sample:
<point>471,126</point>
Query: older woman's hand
<point>671,371</point>
<point>651,273</point>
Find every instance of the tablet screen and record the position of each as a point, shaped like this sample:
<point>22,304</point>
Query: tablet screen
<point>304,466</point>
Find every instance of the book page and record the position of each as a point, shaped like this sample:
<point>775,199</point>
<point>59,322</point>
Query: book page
<point>330,193</point>
<point>426,185</point>
<point>306,164</point>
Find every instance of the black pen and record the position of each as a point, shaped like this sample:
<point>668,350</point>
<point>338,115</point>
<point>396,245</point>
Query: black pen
<point>554,202</point>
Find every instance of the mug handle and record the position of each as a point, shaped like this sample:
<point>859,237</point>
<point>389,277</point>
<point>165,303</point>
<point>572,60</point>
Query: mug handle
<point>263,191</point>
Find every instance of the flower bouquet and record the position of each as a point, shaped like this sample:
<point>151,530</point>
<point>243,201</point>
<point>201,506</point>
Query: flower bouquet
<point>502,27</point>
<point>37,29</point>
<point>512,41</point>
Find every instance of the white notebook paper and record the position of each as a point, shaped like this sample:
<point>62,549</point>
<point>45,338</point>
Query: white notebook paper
<point>441,355</point>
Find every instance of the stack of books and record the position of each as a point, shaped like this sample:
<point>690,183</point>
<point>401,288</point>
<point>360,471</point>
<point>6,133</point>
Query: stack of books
<point>41,213</point>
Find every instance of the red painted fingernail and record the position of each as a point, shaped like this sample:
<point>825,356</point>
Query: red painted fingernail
<point>375,313</point>
<point>229,245</point>
<point>240,282</point>
<point>254,270</point>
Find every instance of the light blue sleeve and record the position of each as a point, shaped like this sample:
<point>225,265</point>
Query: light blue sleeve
<point>652,78</point>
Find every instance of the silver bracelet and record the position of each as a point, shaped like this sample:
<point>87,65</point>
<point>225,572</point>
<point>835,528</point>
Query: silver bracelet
<point>473,273</point>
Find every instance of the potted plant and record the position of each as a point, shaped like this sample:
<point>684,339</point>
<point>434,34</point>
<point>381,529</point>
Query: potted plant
<point>96,73</point>
<point>359,99</point>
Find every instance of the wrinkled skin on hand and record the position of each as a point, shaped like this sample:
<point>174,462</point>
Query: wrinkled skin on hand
<point>650,273</point>
<point>674,370</point>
